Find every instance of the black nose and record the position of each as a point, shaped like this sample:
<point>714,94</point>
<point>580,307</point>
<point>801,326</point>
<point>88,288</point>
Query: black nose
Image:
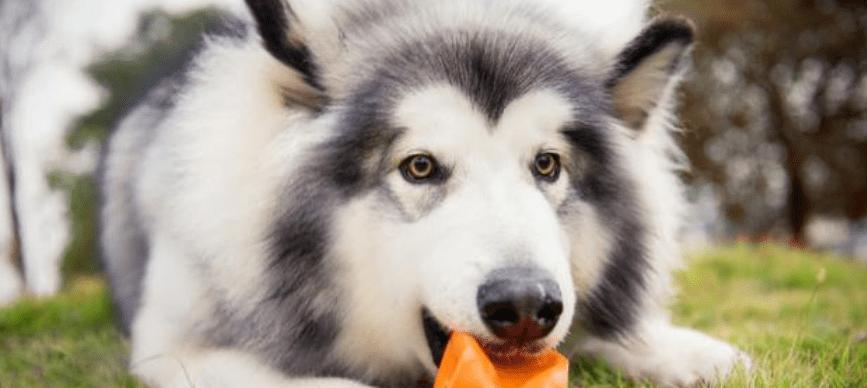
<point>520,304</point>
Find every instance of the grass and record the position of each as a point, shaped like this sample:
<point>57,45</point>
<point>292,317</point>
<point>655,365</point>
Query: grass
<point>67,341</point>
<point>802,316</point>
<point>799,315</point>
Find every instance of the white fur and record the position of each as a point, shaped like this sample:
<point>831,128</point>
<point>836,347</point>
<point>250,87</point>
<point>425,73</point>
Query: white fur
<point>223,369</point>
<point>234,154</point>
<point>669,356</point>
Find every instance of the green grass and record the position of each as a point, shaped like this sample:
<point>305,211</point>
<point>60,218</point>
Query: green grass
<point>798,314</point>
<point>67,341</point>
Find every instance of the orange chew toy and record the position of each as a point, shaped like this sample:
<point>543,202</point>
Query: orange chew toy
<point>465,365</point>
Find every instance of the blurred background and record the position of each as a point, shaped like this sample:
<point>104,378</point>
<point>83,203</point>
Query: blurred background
<point>774,116</point>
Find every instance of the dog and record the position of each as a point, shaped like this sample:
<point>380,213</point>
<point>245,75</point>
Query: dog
<point>321,199</point>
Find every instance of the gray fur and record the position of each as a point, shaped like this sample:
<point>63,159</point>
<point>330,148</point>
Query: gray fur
<point>123,240</point>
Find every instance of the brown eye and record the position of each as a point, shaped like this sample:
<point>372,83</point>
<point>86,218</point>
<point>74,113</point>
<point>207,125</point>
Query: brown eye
<point>420,168</point>
<point>547,166</point>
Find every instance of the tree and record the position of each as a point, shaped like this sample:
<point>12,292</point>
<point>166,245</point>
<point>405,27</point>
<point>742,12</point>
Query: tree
<point>776,113</point>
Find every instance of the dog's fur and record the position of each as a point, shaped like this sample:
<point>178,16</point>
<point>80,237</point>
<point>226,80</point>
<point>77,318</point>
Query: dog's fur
<point>258,229</point>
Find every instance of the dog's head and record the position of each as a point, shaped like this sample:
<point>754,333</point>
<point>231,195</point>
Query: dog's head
<point>476,168</point>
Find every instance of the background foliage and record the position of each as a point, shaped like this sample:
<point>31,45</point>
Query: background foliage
<point>776,111</point>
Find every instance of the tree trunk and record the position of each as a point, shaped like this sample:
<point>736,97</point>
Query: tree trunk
<point>798,203</point>
<point>11,265</point>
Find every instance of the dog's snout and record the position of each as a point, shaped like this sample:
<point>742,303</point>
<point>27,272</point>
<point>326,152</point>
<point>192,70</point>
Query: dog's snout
<point>520,304</point>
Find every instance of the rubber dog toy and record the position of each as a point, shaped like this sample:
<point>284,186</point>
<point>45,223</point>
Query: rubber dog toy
<point>465,365</point>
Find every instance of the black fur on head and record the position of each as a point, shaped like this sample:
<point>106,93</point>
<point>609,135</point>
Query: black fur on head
<point>278,26</point>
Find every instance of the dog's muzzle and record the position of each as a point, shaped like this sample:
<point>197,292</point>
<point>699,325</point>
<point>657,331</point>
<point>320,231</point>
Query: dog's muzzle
<point>519,305</point>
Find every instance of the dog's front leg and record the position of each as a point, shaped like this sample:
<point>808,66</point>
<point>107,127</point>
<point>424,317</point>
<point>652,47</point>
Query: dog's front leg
<point>668,355</point>
<point>222,369</point>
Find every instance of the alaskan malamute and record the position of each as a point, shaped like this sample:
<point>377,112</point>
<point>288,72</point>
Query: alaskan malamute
<point>322,200</point>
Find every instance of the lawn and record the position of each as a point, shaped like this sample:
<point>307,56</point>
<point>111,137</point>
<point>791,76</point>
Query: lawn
<point>802,316</point>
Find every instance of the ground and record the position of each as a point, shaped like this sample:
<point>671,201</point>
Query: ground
<point>802,316</point>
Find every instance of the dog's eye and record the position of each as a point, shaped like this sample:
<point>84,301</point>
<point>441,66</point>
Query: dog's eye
<point>547,166</point>
<point>420,168</point>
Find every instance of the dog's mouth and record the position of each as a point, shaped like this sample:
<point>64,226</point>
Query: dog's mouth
<point>437,336</point>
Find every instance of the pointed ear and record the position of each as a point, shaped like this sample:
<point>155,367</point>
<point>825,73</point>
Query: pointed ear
<point>649,68</point>
<point>282,35</point>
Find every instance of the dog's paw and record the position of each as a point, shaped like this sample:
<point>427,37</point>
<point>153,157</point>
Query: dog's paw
<point>672,357</point>
<point>688,358</point>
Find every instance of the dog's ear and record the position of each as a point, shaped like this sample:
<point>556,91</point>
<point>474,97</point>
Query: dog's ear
<point>649,69</point>
<point>285,34</point>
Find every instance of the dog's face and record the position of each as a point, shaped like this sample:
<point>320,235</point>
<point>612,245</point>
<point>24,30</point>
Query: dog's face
<point>481,184</point>
<point>466,217</point>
